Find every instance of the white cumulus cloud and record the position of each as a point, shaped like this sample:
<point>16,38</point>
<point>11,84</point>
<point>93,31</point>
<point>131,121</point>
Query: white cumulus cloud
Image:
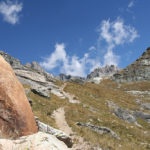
<point>113,34</point>
<point>71,65</point>
<point>10,11</point>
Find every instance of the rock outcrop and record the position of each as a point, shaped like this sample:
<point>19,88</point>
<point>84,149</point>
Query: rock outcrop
<point>102,72</point>
<point>137,71</point>
<point>57,133</point>
<point>40,91</point>
<point>64,77</point>
<point>15,63</point>
<point>38,141</point>
<point>100,130</point>
<point>16,117</point>
<point>142,115</point>
<point>121,113</point>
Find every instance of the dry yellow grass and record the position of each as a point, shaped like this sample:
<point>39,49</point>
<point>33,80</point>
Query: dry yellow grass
<point>95,97</point>
<point>94,109</point>
<point>43,108</point>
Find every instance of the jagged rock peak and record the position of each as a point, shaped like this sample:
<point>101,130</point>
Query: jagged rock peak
<point>15,63</point>
<point>137,71</point>
<point>106,71</point>
<point>34,65</point>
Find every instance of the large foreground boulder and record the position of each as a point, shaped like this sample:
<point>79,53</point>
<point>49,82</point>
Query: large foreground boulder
<point>16,117</point>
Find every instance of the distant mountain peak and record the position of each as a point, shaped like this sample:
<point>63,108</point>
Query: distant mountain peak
<point>105,71</point>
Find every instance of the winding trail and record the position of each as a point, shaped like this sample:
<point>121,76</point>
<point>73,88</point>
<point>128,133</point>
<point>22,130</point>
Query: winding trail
<point>59,116</point>
<point>70,97</point>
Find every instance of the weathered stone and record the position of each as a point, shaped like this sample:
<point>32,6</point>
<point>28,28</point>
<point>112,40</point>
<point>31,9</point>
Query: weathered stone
<point>137,71</point>
<point>38,141</point>
<point>16,117</point>
<point>102,72</point>
<point>146,106</point>
<point>59,134</point>
<point>125,115</point>
<point>35,66</point>
<point>142,115</point>
<point>40,91</point>
<point>100,130</point>
<point>58,93</point>
<point>121,113</point>
<point>31,75</point>
<point>139,93</point>
<point>15,63</point>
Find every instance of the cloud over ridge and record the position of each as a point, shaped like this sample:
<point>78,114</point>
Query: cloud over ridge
<point>110,35</point>
<point>113,34</point>
<point>71,65</point>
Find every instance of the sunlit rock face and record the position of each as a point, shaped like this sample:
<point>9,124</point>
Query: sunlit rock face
<point>137,71</point>
<point>102,73</point>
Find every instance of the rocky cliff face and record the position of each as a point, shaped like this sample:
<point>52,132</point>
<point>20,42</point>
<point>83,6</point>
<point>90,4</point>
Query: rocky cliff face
<point>15,63</point>
<point>137,71</point>
<point>102,72</point>
<point>106,71</point>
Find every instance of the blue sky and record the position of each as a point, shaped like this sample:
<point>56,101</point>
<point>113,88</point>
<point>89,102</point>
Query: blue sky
<point>75,36</point>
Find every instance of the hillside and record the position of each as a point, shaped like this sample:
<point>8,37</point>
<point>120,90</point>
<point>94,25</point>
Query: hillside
<point>105,116</point>
<point>93,108</point>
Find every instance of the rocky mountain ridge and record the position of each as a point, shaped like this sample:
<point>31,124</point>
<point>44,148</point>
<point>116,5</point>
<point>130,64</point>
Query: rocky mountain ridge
<point>95,76</point>
<point>106,71</point>
<point>137,71</point>
<point>102,73</point>
<point>24,72</point>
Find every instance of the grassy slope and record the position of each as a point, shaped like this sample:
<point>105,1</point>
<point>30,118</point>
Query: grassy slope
<point>96,96</point>
<point>43,107</point>
<point>93,108</point>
